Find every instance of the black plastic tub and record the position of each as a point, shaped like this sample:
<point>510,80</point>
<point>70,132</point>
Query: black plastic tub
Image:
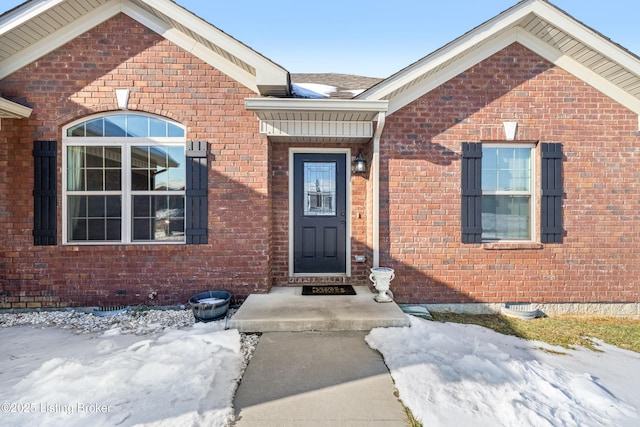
<point>210,305</point>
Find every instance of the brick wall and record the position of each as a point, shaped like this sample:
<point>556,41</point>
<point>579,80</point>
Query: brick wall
<point>420,184</point>
<point>598,260</point>
<point>360,217</point>
<point>80,79</point>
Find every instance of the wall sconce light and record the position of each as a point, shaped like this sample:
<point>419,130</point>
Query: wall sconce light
<point>360,163</point>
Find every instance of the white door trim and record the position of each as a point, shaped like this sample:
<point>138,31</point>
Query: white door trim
<point>347,153</point>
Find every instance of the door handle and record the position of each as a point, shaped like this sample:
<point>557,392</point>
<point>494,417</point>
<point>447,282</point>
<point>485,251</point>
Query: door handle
<point>343,222</point>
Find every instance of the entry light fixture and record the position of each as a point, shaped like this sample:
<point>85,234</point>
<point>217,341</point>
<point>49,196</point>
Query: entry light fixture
<point>359,163</point>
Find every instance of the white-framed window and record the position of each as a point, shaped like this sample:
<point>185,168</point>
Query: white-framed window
<point>508,198</point>
<point>123,180</point>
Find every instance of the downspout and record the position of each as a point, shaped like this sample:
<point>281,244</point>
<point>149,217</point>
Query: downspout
<point>375,166</point>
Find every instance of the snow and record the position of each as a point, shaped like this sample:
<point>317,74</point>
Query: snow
<point>179,377</point>
<point>319,91</point>
<point>211,301</point>
<point>161,370</point>
<point>312,90</point>
<point>451,374</point>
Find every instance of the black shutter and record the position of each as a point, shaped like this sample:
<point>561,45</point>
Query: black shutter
<point>551,209</point>
<point>196,193</point>
<point>471,192</point>
<point>44,192</point>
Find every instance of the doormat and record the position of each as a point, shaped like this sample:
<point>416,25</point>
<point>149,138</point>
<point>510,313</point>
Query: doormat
<point>328,290</point>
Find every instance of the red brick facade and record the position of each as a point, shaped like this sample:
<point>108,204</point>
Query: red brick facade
<point>598,260</point>
<point>248,223</point>
<point>79,79</point>
<point>360,218</point>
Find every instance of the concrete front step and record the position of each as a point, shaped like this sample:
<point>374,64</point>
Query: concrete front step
<point>285,309</point>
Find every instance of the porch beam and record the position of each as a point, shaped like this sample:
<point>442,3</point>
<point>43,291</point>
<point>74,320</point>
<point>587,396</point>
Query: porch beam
<point>299,105</point>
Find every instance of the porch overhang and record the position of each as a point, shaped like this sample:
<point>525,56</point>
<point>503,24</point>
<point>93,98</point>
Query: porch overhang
<point>316,120</point>
<point>12,110</point>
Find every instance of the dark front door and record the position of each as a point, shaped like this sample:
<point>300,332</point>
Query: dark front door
<point>319,213</point>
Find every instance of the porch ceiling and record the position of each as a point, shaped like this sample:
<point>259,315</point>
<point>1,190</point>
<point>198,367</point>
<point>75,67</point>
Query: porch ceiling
<point>316,120</point>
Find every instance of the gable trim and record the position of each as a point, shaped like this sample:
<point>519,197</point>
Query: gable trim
<point>250,68</point>
<point>578,70</point>
<point>537,25</point>
<point>595,40</point>
<point>481,36</point>
<point>515,35</point>
<point>11,110</point>
<point>33,10</point>
<point>448,71</point>
<point>57,39</point>
<point>166,18</point>
<point>190,45</point>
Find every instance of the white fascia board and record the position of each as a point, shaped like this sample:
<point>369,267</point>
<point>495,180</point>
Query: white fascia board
<point>59,38</point>
<point>451,71</point>
<point>267,71</point>
<point>493,27</point>
<point>192,46</point>
<point>579,71</point>
<point>25,13</point>
<point>467,42</point>
<point>14,110</point>
<point>215,60</point>
<point>586,35</point>
<point>275,104</point>
<point>517,35</point>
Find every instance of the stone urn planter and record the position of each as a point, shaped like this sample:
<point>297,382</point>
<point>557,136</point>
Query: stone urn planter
<point>381,278</point>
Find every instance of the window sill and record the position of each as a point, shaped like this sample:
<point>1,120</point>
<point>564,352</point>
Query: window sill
<point>502,246</point>
<point>99,243</point>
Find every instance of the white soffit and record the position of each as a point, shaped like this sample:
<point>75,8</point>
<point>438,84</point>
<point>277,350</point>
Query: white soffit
<point>316,120</point>
<point>542,28</point>
<point>37,27</point>
<point>11,110</point>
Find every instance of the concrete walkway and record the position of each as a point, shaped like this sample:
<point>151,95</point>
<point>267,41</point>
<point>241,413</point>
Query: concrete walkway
<point>317,379</point>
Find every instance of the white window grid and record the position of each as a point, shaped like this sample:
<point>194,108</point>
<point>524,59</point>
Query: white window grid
<point>126,193</point>
<point>531,192</point>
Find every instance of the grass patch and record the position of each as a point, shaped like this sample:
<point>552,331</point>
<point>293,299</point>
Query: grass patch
<point>565,331</point>
<point>412,421</point>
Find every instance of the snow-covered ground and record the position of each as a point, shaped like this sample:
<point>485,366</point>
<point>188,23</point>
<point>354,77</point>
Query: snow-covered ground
<point>160,369</point>
<point>462,375</point>
<point>152,368</point>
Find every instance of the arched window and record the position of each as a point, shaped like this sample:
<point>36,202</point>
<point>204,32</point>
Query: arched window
<point>124,179</point>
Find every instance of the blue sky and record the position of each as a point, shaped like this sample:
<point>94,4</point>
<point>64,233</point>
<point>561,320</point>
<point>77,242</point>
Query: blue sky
<point>377,39</point>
